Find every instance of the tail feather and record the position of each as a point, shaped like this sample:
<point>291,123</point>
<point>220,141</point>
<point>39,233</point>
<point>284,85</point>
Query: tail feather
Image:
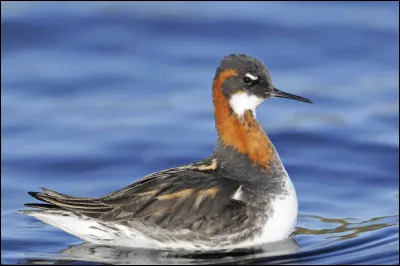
<point>80,217</point>
<point>61,201</point>
<point>42,206</point>
<point>36,195</point>
<point>58,195</point>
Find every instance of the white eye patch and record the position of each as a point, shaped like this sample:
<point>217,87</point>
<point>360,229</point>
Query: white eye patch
<point>251,76</point>
<point>242,101</point>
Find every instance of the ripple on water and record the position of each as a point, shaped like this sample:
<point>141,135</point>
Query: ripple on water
<point>95,95</point>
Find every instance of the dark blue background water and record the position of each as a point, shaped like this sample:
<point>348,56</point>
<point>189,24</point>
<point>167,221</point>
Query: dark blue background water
<point>96,95</point>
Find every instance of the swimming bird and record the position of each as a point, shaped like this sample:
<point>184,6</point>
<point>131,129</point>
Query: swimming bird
<point>241,195</point>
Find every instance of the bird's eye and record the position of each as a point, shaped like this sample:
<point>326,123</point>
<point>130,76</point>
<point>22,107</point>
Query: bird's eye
<point>247,80</point>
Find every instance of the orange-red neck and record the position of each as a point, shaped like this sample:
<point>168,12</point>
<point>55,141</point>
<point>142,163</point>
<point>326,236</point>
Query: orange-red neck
<point>243,133</point>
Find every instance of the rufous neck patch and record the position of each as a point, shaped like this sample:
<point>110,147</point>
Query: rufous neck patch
<point>243,133</point>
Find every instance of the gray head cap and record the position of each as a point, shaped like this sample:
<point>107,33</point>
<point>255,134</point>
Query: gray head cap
<point>243,64</point>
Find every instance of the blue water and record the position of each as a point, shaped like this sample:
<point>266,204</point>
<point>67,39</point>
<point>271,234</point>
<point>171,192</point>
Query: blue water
<point>95,95</point>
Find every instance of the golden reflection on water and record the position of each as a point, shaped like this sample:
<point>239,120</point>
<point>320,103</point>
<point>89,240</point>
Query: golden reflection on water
<point>349,226</point>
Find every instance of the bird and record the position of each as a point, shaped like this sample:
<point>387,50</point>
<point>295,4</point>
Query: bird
<point>239,196</point>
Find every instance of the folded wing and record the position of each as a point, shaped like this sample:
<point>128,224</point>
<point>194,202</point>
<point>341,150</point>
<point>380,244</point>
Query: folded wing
<point>193,198</point>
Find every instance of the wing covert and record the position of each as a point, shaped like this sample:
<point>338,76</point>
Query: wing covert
<point>177,197</point>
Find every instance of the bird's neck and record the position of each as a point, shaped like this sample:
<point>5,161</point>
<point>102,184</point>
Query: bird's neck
<point>243,133</point>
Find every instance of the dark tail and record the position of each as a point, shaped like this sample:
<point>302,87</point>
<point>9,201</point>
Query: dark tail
<point>58,201</point>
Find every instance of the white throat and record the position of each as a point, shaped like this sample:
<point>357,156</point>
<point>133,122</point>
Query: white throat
<point>242,101</point>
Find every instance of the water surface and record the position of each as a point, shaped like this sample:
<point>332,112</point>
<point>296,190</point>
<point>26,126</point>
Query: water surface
<point>97,95</point>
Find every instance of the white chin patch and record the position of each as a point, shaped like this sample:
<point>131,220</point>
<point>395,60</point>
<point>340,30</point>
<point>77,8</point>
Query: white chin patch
<point>242,101</point>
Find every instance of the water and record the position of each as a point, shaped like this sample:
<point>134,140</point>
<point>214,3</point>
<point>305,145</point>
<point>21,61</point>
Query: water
<point>97,95</point>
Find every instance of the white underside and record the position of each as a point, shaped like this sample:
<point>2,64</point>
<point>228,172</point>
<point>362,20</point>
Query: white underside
<point>279,226</point>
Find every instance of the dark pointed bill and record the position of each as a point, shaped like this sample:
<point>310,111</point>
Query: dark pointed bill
<point>281,94</point>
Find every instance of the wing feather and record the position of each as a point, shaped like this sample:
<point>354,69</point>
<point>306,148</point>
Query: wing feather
<point>193,198</point>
